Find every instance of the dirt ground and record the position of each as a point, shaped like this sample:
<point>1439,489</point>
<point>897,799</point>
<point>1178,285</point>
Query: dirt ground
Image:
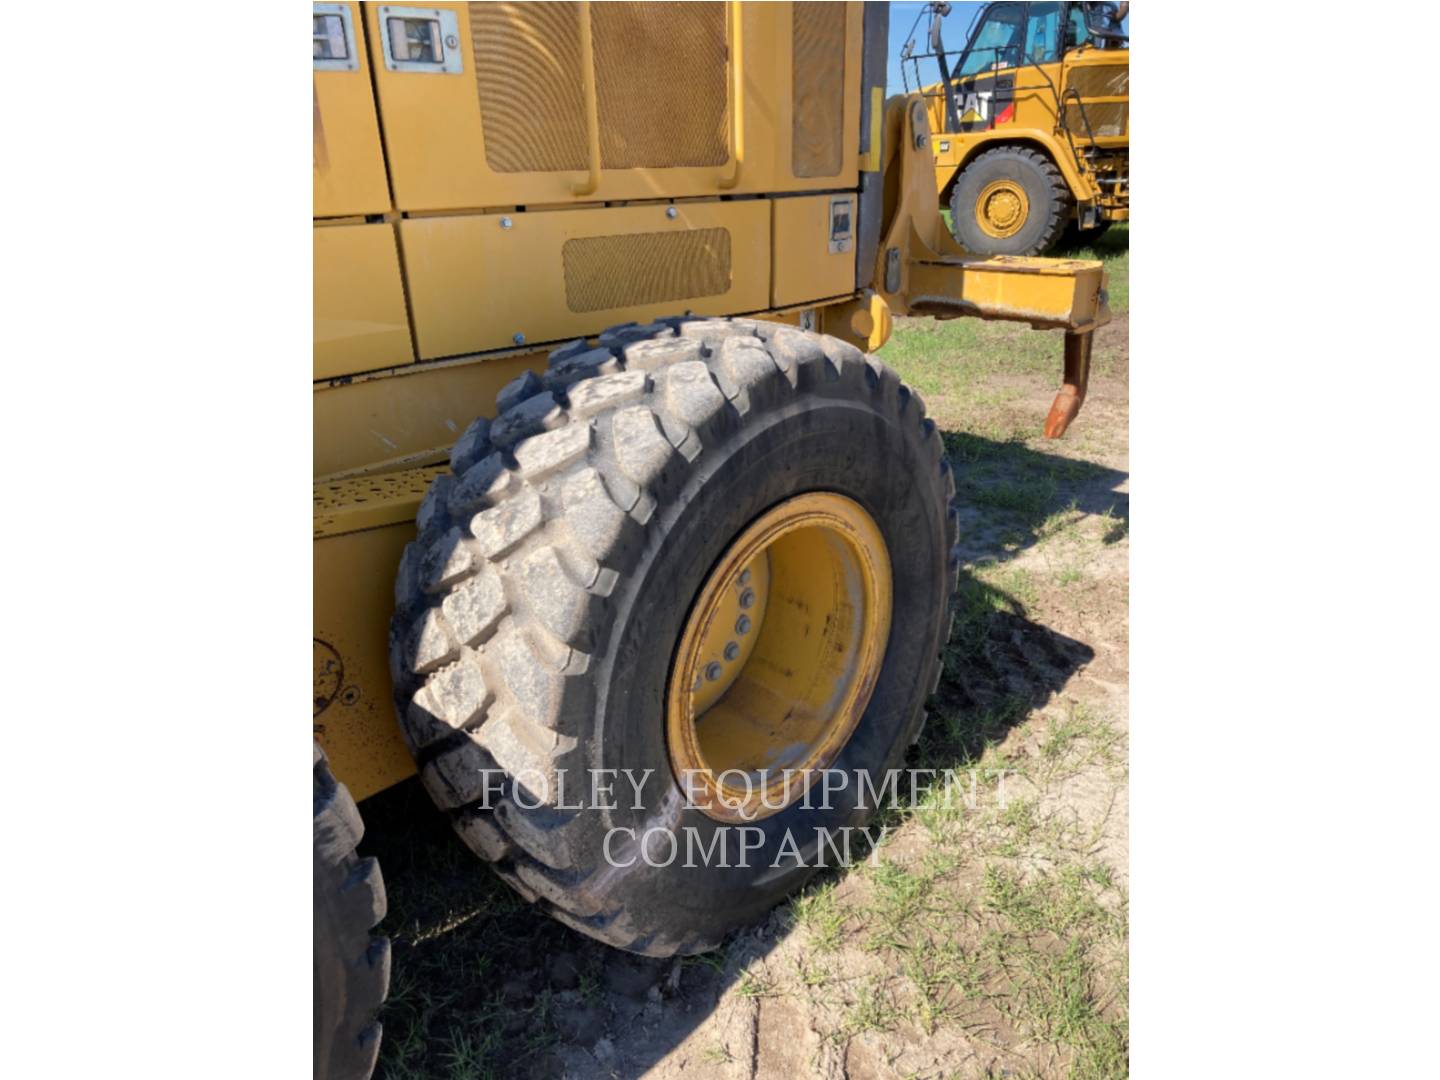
<point>985,937</point>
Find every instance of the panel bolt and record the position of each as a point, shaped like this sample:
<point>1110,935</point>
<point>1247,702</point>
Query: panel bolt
<point>747,598</point>
<point>505,223</point>
<point>713,670</point>
<point>451,41</point>
<point>742,625</point>
<point>671,213</point>
<point>732,650</point>
<point>519,339</point>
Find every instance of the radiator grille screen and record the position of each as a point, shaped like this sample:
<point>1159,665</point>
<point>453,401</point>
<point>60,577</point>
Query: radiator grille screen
<point>660,85</point>
<point>818,57</point>
<point>1108,80</point>
<point>645,268</point>
<point>527,69</point>
<point>1106,118</point>
<point>660,81</point>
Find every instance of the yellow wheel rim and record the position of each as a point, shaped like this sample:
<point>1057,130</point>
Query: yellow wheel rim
<point>779,657</point>
<point>1001,208</point>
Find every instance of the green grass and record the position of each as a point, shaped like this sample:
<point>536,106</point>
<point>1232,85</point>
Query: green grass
<point>1005,925</point>
<point>1004,920</point>
<point>819,914</point>
<point>1030,495</point>
<point>755,985</point>
<point>874,1009</point>
<point>718,1054</point>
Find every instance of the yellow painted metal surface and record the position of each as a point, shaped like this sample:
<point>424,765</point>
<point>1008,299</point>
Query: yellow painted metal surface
<point>1046,293</point>
<point>475,284</point>
<point>731,629</point>
<point>811,580</point>
<point>349,165</point>
<point>805,266</point>
<point>409,418</point>
<point>663,113</point>
<point>864,321</point>
<point>359,300</point>
<point>354,575</point>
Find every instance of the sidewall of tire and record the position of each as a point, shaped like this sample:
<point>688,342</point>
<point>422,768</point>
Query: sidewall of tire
<point>1035,235</point>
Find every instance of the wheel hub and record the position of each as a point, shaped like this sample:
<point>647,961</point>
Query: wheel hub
<point>779,656</point>
<point>1002,208</point>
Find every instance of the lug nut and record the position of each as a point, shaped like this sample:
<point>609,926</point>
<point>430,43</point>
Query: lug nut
<point>747,598</point>
<point>713,670</point>
<point>732,650</point>
<point>745,576</point>
<point>742,625</point>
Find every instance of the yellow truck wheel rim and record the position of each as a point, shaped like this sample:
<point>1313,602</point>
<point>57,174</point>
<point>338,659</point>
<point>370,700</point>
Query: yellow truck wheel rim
<point>779,657</point>
<point>1001,208</point>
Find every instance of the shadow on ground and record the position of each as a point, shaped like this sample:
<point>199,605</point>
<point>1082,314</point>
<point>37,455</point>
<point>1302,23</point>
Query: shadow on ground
<point>484,986</point>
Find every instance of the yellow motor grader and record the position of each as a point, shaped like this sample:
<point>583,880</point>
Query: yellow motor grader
<point>1031,123</point>
<point>616,516</point>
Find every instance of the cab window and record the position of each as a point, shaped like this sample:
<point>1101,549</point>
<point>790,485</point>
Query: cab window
<point>1042,38</point>
<point>1079,33</point>
<point>998,40</point>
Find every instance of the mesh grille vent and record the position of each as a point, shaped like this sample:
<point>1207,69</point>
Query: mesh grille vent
<point>1106,118</point>
<point>660,75</point>
<point>1110,80</point>
<point>527,70</point>
<point>645,268</point>
<point>818,56</point>
<point>660,82</point>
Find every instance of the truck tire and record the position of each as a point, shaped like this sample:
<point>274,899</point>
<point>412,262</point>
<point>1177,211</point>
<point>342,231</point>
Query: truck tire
<point>549,595</point>
<point>1010,201</point>
<point>352,968</point>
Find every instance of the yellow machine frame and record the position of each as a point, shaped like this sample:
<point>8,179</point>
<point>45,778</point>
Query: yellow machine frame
<point>446,263</point>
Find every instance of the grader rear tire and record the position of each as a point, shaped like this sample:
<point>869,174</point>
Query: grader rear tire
<point>1010,201</point>
<point>559,563</point>
<point>351,968</point>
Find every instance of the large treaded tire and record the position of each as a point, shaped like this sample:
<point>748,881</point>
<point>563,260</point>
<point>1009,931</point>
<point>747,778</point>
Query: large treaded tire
<point>1051,204</point>
<point>352,968</point>
<point>539,607</point>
